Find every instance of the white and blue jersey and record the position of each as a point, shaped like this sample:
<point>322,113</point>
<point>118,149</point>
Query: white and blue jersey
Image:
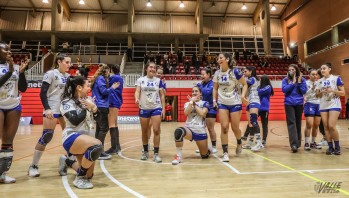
<point>115,96</point>
<point>9,94</point>
<point>229,89</point>
<point>207,89</point>
<point>330,101</point>
<point>149,92</point>
<point>194,122</point>
<point>57,82</point>
<point>252,93</point>
<point>311,102</point>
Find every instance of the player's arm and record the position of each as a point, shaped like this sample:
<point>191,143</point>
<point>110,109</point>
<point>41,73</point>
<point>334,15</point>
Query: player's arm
<point>43,95</point>
<point>201,112</point>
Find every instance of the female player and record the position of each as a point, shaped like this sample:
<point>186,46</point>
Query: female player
<point>329,89</point>
<point>77,110</point>
<point>311,112</point>
<point>12,80</point>
<point>50,95</point>
<point>194,129</point>
<point>294,87</point>
<point>206,87</point>
<point>115,102</point>
<point>252,109</point>
<point>265,90</point>
<point>150,97</point>
<point>227,90</point>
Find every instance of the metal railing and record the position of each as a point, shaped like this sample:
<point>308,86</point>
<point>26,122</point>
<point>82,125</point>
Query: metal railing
<point>130,79</point>
<point>36,72</point>
<point>123,63</point>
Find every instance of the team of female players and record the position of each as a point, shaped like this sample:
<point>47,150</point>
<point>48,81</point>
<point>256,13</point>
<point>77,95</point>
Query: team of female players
<point>65,98</point>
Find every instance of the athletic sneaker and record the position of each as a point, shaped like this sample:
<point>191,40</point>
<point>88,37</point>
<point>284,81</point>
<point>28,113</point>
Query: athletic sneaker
<point>225,157</point>
<point>177,159</point>
<point>259,146</point>
<point>307,147</point>
<point>145,156</point>
<point>314,145</point>
<point>62,166</point>
<point>104,156</point>
<point>33,171</point>
<point>248,145</point>
<point>264,142</point>
<point>111,151</point>
<point>323,142</point>
<point>82,182</point>
<point>244,138</point>
<point>330,151</point>
<point>157,158</point>
<point>214,150</point>
<point>238,149</point>
<point>4,179</point>
<point>337,151</point>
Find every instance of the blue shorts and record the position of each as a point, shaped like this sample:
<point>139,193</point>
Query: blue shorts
<point>253,105</point>
<point>211,111</point>
<point>231,108</point>
<point>311,109</point>
<point>69,142</point>
<point>332,109</point>
<point>147,113</point>
<point>54,115</point>
<point>18,108</point>
<point>197,136</point>
<point>115,106</point>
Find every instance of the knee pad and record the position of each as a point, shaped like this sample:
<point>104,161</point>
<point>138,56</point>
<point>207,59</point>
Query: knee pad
<point>93,152</point>
<point>6,157</point>
<point>46,137</point>
<point>207,155</point>
<point>254,119</point>
<point>179,134</point>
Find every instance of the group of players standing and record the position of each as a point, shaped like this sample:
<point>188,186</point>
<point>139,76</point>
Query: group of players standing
<point>66,98</point>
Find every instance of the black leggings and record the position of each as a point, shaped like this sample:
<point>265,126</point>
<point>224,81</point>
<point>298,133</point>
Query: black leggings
<point>264,118</point>
<point>102,125</point>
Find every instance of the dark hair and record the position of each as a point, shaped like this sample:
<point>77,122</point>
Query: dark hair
<point>83,71</point>
<point>198,88</point>
<point>329,65</point>
<point>59,56</point>
<point>228,56</point>
<point>147,65</point>
<point>265,82</point>
<point>115,69</point>
<point>102,71</point>
<point>252,69</point>
<point>319,73</point>
<point>70,86</point>
<point>208,71</point>
<point>297,71</point>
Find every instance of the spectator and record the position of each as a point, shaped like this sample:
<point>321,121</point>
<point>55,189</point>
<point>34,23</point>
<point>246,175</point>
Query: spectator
<point>65,46</point>
<point>168,112</point>
<point>187,66</point>
<point>44,50</point>
<point>263,63</point>
<point>174,65</point>
<point>204,58</point>
<point>166,66</point>
<point>129,54</point>
<point>180,56</point>
<point>237,55</point>
<point>158,59</point>
<point>146,58</point>
<point>166,56</point>
<point>245,53</point>
<point>196,63</point>
<point>287,57</point>
<point>347,109</point>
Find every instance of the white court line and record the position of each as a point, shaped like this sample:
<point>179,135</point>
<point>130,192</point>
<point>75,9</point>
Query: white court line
<point>293,171</point>
<point>117,182</point>
<point>228,165</point>
<point>67,187</point>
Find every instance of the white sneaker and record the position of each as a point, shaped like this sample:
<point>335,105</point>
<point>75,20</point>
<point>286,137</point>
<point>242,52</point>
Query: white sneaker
<point>214,150</point>
<point>323,142</point>
<point>238,149</point>
<point>82,182</point>
<point>259,146</point>
<point>248,145</point>
<point>6,179</point>
<point>307,147</point>
<point>157,158</point>
<point>62,166</point>
<point>197,151</point>
<point>225,157</point>
<point>145,156</point>
<point>33,171</point>
<point>177,159</point>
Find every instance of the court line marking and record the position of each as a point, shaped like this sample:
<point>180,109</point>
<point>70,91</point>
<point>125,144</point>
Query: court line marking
<point>299,172</point>
<point>293,171</point>
<point>136,194</point>
<point>227,165</point>
<point>68,188</point>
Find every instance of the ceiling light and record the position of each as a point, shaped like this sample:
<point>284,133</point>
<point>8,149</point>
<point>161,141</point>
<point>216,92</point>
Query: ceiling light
<point>273,8</point>
<point>213,4</point>
<point>181,5</point>
<point>82,2</point>
<point>243,7</point>
<point>149,4</point>
<point>292,44</point>
<point>45,1</point>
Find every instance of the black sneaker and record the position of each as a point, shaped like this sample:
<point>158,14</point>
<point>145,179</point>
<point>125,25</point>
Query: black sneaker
<point>104,156</point>
<point>294,149</point>
<point>244,138</point>
<point>111,151</point>
<point>337,151</point>
<point>264,142</point>
<point>330,151</point>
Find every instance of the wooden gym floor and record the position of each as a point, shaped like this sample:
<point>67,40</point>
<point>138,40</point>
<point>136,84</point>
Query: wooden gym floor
<point>273,172</point>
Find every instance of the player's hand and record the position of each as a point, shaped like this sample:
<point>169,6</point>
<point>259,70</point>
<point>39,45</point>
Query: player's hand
<point>87,102</point>
<point>245,101</point>
<point>24,65</point>
<point>116,85</point>
<point>48,114</point>
<point>215,105</point>
<point>300,77</point>
<point>137,101</point>
<point>163,114</point>
<point>10,63</point>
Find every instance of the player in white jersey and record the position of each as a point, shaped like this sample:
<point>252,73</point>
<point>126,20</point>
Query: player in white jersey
<point>311,112</point>
<point>79,112</point>
<point>150,98</point>
<point>50,95</point>
<point>194,129</point>
<point>329,89</point>
<point>252,109</point>
<point>12,81</point>
<point>226,89</point>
